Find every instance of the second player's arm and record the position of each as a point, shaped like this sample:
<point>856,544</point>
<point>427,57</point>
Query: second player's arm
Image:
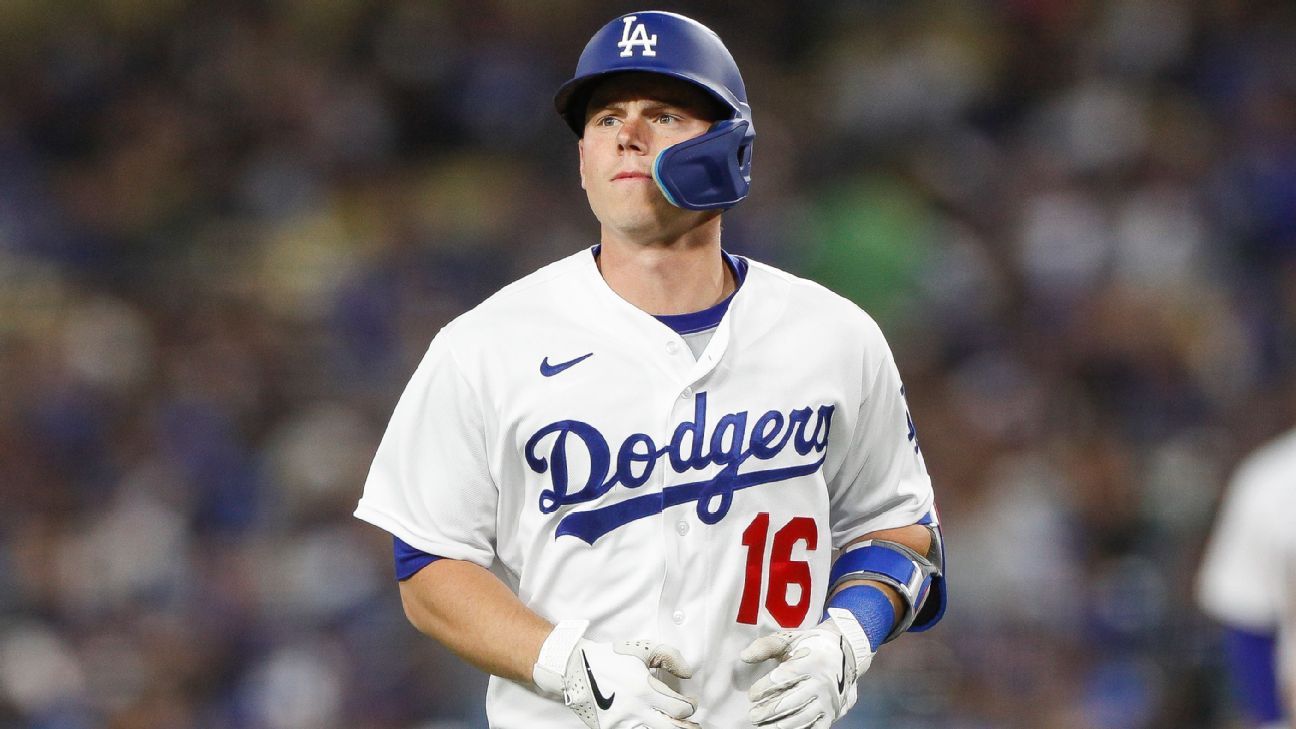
<point>470,611</point>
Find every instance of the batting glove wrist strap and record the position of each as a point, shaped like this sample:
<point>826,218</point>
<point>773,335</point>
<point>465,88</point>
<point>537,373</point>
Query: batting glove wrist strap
<point>555,654</point>
<point>861,647</point>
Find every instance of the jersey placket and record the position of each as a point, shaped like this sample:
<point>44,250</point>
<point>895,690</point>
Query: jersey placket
<point>684,594</point>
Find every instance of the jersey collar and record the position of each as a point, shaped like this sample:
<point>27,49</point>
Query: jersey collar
<point>709,318</point>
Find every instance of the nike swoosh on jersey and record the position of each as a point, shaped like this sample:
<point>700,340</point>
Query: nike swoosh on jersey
<point>549,370</point>
<point>603,703</point>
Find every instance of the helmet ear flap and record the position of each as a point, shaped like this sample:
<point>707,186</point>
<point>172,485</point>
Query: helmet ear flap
<point>708,172</point>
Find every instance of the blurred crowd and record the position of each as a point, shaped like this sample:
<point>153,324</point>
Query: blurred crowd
<point>229,229</point>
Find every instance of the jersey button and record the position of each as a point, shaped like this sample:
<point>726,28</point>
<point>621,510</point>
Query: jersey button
<point>688,392</point>
<point>682,528</point>
<point>672,347</point>
<point>678,617</point>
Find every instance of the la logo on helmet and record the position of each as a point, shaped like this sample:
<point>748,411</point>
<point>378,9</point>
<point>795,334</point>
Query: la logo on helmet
<point>638,37</point>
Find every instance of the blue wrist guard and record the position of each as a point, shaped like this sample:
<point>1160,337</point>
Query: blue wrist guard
<point>871,608</point>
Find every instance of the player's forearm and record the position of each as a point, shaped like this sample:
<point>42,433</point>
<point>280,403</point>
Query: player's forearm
<point>877,611</point>
<point>476,616</point>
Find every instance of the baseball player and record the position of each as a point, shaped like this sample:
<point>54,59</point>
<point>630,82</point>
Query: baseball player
<point>1248,581</point>
<point>654,484</point>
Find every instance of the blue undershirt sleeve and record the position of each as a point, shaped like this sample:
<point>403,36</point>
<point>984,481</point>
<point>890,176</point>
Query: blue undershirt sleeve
<point>1252,669</point>
<point>409,560</point>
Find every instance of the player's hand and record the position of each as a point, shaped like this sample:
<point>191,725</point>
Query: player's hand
<point>611,686</point>
<point>814,683</point>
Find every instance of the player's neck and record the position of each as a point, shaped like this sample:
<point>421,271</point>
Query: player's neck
<point>679,276</point>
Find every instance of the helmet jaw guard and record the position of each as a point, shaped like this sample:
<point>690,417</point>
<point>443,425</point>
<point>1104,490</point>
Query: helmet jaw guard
<point>708,172</point>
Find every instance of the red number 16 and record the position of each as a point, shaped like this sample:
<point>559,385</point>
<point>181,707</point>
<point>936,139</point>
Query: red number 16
<point>783,570</point>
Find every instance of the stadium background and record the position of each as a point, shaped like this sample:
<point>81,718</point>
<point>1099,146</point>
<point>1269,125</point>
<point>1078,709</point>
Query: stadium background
<point>229,229</point>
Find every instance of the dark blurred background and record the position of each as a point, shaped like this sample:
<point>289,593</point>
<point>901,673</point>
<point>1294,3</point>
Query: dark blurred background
<point>228,231</point>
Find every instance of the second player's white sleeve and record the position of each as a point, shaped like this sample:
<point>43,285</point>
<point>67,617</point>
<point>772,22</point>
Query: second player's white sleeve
<point>430,481</point>
<point>1241,582</point>
<point>882,482</point>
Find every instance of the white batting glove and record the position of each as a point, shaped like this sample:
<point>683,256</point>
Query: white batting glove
<point>611,685</point>
<point>814,683</point>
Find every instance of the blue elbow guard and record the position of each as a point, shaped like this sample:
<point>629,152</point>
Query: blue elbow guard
<point>933,608</point>
<point>919,579</point>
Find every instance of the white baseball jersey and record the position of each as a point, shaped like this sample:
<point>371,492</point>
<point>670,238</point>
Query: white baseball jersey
<point>1248,576</point>
<point>616,477</point>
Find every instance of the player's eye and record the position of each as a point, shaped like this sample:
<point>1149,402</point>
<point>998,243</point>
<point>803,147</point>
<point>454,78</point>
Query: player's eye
<point>606,121</point>
<point>667,118</point>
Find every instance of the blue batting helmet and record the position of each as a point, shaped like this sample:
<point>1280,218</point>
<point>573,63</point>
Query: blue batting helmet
<point>712,171</point>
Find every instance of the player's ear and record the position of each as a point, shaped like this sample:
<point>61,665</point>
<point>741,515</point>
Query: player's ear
<point>580,153</point>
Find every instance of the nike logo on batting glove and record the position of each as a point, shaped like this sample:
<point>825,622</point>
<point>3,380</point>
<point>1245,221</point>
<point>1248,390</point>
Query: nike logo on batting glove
<point>625,671</point>
<point>603,703</point>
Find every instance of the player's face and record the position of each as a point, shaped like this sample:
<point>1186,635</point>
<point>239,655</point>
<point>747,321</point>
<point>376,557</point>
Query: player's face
<point>629,120</point>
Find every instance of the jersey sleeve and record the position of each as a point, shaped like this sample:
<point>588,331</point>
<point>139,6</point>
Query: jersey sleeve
<point>430,483</point>
<point>882,482</point>
<point>1241,580</point>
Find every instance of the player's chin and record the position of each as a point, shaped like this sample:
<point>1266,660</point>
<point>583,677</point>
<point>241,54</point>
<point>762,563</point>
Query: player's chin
<point>624,208</point>
<point>639,216</point>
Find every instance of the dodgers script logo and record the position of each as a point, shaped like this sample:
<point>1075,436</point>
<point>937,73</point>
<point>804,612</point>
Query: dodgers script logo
<point>731,444</point>
<point>638,37</point>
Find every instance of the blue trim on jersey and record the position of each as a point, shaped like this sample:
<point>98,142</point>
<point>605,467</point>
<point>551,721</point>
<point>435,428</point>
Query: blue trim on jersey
<point>700,321</point>
<point>1253,673</point>
<point>738,265</point>
<point>409,560</point>
<point>871,608</point>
